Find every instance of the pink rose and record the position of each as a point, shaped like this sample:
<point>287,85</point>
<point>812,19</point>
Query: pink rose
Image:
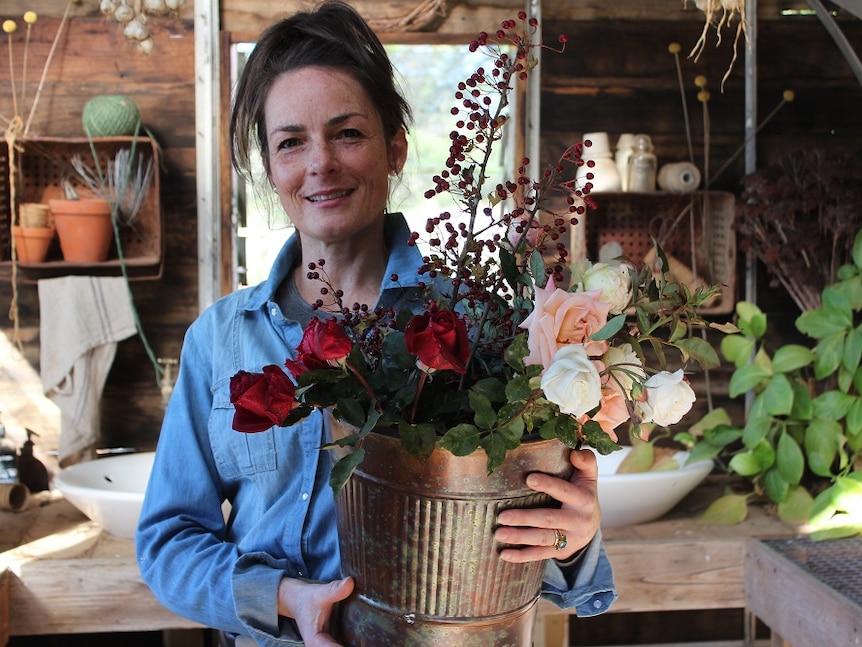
<point>560,318</point>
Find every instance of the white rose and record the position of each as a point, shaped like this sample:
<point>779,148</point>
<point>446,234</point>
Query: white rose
<point>624,366</point>
<point>614,281</point>
<point>668,398</point>
<point>572,381</point>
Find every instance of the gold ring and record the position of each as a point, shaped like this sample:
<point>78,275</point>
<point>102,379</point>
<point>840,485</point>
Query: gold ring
<point>559,539</point>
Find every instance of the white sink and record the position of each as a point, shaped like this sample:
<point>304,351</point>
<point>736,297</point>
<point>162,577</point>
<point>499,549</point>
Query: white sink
<point>110,491</point>
<point>627,499</point>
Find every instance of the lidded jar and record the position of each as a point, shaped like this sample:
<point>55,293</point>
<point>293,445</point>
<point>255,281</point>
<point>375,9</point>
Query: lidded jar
<point>642,165</point>
<point>606,177</point>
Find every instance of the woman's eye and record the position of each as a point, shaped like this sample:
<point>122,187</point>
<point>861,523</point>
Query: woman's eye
<point>351,133</point>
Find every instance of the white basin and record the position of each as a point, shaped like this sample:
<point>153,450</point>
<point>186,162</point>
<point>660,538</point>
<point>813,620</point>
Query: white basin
<point>110,491</point>
<point>627,499</point>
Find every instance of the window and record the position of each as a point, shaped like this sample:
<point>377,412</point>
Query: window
<point>428,75</point>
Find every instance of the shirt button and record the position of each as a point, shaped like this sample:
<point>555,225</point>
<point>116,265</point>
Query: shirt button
<point>305,496</point>
<point>274,311</point>
<point>597,604</point>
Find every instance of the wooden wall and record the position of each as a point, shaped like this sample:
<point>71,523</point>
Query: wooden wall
<point>616,76</point>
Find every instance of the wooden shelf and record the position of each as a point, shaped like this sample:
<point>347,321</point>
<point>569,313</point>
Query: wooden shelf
<point>42,164</point>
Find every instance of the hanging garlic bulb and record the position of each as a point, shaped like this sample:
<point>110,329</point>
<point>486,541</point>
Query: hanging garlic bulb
<point>154,6</point>
<point>146,45</point>
<point>124,13</point>
<point>108,7</point>
<point>174,5</point>
<point>136,28</point>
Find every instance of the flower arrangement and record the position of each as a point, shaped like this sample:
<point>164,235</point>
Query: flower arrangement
<point>516,339</point>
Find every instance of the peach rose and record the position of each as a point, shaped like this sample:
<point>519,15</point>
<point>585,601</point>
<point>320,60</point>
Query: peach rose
<point>613,411</point>
<point>560,318</point>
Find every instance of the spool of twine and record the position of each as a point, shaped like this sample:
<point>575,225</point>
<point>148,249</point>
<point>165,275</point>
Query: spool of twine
<point>13,496</point>
<point>111,115</point>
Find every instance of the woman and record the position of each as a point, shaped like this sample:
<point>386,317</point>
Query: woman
<point>318,98</point>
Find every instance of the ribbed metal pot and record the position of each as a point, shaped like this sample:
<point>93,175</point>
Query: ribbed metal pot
<point>418,537</point>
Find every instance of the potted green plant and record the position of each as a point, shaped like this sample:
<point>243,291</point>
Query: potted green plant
<point>801,444</point>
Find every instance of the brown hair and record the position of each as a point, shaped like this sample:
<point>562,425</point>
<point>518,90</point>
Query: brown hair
<point>331,35</point>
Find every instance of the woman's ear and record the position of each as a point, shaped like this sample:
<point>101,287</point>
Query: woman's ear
<point>397,152</point>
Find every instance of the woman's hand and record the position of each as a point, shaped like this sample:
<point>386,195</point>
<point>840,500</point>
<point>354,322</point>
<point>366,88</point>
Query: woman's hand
<point>310,605</point>
<point>578,518</point>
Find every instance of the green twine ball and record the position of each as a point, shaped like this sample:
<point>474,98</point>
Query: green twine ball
<point>111,115</point>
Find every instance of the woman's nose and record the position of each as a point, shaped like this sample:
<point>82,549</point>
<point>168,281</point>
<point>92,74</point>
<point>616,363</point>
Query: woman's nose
<point>322,159</point>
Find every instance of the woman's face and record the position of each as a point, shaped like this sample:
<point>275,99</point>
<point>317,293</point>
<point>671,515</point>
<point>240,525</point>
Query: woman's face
<point>329,160</point>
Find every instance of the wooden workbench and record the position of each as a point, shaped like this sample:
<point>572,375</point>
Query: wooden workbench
<point>65,575</point>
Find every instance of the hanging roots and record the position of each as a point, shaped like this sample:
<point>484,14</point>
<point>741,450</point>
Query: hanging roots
<point>720,14</point>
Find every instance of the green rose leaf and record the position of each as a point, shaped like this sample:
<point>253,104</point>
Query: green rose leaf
<point>419,439</point>
<point>484,414</point>
<point>611,328</point>
<point>700,351</point>
<point>461,440</point>
<point>343,469</point>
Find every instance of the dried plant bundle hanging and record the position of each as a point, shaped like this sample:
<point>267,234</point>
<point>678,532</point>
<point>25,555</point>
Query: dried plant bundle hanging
<point>720,14</point>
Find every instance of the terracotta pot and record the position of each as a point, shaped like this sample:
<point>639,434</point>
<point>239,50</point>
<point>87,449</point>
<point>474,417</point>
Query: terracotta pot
<point>34,214</point>
<point>32,243</point>
<point>84,227</point>
<point>418,537</point>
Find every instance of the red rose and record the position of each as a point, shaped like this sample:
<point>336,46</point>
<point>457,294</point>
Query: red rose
<point>439,340</point>
<point>261,400</point>
<point>323,345</point>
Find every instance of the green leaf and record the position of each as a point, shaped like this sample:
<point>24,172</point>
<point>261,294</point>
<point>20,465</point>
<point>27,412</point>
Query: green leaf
<point>828,355</point>
<point>745,464</point>
<point>775,485</point>
<point>509,267</point>
<point>853,422</point>
<point>639,459</point>
<point>796,508</point>
<point>343,469</point>
<point>852,350</point>
<point>596,437</point>
<point>803,409</point>
<point>418,439</point>
<point>791,357</point>
<point>484,414</point>
<point>537,267</point>
<point>728,510</point>
<point>756,429</point>
<point>714,418</point>
<point>856,254</point>
<point>752,321</point>
<point>833,405</point>
<point>611,328</point>
<point>821,445</point>
<point>737,349</point>
<point>818,324</point>
<point>746,379</point>
<point>790,459</point>
<point>700,351</point>
<point>778,396</point>
<point>461,440</point>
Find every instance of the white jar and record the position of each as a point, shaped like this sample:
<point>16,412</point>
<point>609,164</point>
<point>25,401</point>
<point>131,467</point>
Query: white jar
<point>642,165</point>
<point>606,177</point>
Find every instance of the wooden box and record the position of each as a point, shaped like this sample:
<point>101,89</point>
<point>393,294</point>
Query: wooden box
<point>40,167</point>
<point>695,228</point>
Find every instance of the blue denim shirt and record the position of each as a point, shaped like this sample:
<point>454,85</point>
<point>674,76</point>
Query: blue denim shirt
<point>281,519</point>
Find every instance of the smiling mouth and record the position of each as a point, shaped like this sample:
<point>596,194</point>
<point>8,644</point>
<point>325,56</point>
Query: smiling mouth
<point>328,196</point>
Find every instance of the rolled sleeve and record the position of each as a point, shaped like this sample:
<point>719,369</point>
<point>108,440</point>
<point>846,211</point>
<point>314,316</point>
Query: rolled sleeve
<point>585,584</point>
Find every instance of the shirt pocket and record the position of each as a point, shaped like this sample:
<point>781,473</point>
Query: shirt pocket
<point>238,453</point>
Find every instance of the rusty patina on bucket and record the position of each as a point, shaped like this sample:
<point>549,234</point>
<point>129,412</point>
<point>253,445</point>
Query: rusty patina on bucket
<point>417,536</point>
